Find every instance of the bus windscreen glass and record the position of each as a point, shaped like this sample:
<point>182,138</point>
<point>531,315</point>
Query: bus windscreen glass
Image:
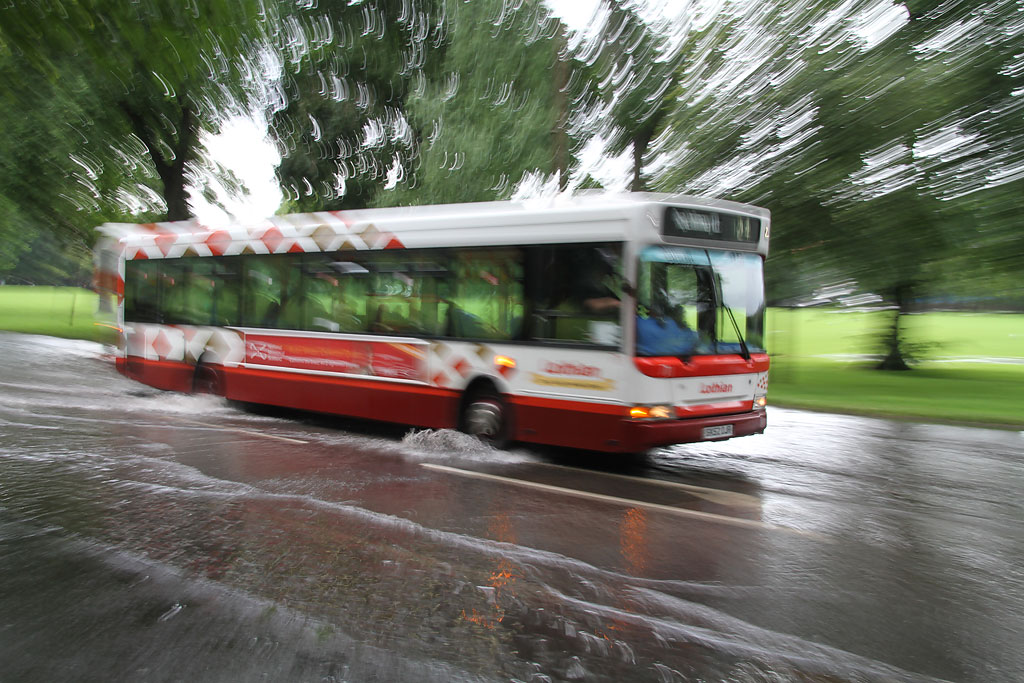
<point>699,302</point>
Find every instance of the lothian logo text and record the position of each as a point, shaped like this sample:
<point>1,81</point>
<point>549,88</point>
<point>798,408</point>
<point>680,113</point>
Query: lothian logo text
<point>716,388</point>
<point>575,369</point>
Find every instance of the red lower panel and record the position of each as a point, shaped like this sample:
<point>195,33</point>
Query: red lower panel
<point>583,425</point>
<point>162,374</point>
<point>592,426</point>
<point>371,399</point>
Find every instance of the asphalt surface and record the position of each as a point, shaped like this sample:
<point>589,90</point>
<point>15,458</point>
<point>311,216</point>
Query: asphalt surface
<point>160,537</point>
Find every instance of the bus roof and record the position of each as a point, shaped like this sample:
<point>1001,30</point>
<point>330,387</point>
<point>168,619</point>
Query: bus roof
<point>585,216</point>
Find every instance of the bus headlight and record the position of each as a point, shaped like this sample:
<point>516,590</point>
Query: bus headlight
<point>760,402</point>
<point>651,412</point>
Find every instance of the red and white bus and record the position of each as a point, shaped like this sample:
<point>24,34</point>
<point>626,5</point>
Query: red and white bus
<point>607,322</point>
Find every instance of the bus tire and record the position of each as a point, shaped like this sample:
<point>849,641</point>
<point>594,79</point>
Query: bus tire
<point>206,379</point>
<point>485,416</point>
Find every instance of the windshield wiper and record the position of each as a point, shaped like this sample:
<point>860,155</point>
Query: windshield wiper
<point>744,351</point>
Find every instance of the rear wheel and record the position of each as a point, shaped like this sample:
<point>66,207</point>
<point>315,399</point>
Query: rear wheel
<point>485,416</point>
<point>207,380</point>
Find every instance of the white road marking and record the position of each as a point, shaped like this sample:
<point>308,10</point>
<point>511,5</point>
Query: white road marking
<point>239,430</point>
<point>719,496</point>
<point>265,436</point>
<point>682,512</point>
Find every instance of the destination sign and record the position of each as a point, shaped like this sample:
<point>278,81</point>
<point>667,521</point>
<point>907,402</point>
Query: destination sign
<point>711,225</point>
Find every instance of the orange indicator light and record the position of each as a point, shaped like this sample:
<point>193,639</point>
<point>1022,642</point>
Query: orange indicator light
<point>639,413</point>
<point>504,361</point>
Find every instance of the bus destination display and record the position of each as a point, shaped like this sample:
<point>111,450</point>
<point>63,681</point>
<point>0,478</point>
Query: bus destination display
<point>707,225</point>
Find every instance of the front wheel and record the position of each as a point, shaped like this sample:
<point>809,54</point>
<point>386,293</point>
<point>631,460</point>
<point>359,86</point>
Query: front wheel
<point>485,417</point>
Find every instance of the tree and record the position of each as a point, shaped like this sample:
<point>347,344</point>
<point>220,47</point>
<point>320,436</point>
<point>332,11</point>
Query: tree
<point>349,71</point>
<point>880,141</point>
<point>164,70</point>
<point>934,142</point>
<point>50,195</point>
<point>496,112</point>
<point>636,75</point>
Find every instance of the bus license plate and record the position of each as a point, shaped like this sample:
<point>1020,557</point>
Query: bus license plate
<point>716,432</point>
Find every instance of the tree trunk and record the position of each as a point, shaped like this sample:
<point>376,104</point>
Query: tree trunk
<point>640,143</point>
<point>175,193</point>
<point>895,357</point>
<point>561,135</point>
<point>170,169</point>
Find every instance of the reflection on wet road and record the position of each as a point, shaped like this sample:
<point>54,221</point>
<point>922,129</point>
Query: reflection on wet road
<point>154,536</point>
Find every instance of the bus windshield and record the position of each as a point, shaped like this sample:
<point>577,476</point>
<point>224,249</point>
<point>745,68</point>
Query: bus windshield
<point>699,302</point>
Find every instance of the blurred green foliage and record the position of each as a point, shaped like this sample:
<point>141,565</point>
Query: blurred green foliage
<point>349,70</point>
<point>886,138</point>
<point>493,115</point>
<point>125,90</point>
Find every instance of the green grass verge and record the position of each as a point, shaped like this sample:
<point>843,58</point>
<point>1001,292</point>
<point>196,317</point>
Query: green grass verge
<point>819,362</point>
<point>811,365</point>
<point>984,393</point>
<point>55,311</point>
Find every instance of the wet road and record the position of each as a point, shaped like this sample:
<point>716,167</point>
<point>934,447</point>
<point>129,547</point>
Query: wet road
<point>157,537</point>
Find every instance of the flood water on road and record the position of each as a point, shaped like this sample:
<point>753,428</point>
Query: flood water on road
<point>154,536</point>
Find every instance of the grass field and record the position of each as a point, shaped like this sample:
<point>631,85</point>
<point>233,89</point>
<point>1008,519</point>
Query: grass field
<point>55,311</point>
<point>972,369</point>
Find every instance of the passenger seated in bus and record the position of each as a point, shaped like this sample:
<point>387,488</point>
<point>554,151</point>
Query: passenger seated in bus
<point>591,306</point>
<point>660,334</point>
<point>594,284</point>
<point>464,324</point>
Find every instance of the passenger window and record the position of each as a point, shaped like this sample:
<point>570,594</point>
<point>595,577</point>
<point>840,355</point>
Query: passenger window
<point>577,293</point>
<point>272,294</point>
<point>406,293</point>
<point>226,292</point>
<point>487,301</point>
<point>335,294</point>
<point>190,292</point>
<point>141,291</point>
<point>173,290</point>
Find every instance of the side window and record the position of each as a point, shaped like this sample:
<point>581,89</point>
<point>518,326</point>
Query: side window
<point>271,286</point>
<point>227,295</point>
<point>173,290</point>
<point>431,307</point>
<point>182,292</point>
<point>576,293</point>
<point>141,291</point>
<point>406,293</point>
<point>335,294</point>
<point>190,285</point>
<point>487,299</point>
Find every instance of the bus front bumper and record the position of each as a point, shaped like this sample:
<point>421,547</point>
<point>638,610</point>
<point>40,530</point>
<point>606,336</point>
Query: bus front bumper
<point>641,435</point>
